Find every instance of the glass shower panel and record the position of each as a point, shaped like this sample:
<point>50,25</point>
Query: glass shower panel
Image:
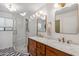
<point>1,22</point>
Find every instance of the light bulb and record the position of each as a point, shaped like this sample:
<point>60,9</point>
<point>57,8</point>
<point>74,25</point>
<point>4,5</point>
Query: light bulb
<point>56,5</point>
<point>23,14</point>
<point>10,7</point>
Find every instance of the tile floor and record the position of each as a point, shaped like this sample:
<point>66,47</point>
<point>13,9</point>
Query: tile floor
<point>11,52</point>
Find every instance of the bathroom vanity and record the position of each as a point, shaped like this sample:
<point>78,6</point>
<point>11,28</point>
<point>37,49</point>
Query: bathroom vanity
<point>38,46</point>
<point>66,22</point>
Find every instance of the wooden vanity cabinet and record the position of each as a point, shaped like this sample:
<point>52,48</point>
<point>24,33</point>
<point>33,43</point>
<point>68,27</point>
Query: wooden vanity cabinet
<point>40,49</point>
<point>32,47</point>
<point>36,48</point>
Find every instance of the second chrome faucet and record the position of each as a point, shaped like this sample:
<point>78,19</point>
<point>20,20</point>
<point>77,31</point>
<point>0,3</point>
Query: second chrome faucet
<point>61,39</point>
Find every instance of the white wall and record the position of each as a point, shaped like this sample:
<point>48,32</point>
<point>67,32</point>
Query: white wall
<point>32,27</point>
<point>6,37</point>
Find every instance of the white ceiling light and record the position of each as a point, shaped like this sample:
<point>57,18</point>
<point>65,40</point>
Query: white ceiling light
<point>10,7</point>
<point>56,5</point>
<point>59,5</point>
<point>42,12</point>
<point>23,14</point>
<point>37,14</point>
<point>33,15</point>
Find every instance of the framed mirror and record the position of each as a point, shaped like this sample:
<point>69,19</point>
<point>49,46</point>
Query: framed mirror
<point>41,24</point>
<point>66,20</point>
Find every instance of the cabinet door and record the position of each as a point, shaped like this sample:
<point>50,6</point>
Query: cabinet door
<point>38,52</point>
<point>50,51</point>
<point>32,47</point>
<point>40,49</point>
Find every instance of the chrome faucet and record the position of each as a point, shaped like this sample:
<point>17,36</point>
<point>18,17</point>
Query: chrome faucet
<point>63,40</point>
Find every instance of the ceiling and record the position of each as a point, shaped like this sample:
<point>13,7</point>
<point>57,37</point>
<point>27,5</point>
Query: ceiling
<point>29,8</point>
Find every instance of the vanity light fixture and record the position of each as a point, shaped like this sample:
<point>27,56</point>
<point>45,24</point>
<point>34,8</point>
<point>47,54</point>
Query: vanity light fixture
<point>10,7</point>
<point>23,14</point>
<point>37,14</point>
<point>33,15</point>
<point>59,5</point>
<point>42,12</point>
<point>56,5</point>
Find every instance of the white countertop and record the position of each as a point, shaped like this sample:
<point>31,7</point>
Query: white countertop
<point>68,48</point>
